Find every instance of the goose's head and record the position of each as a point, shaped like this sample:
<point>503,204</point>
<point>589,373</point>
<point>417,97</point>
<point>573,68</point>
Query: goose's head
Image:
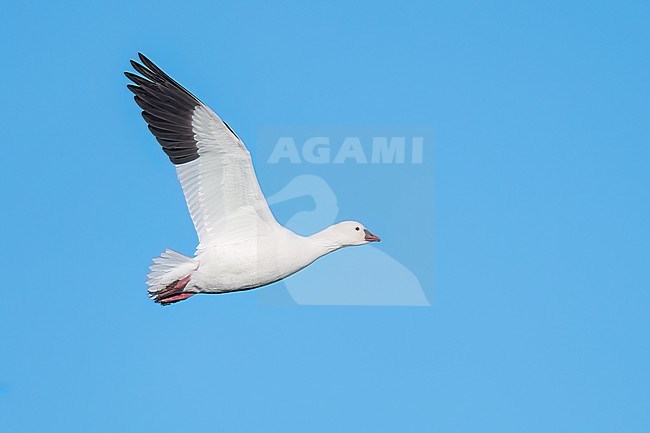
<point>350,233</point>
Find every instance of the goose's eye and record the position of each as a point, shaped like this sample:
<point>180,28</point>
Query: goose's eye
<point>357,229</point>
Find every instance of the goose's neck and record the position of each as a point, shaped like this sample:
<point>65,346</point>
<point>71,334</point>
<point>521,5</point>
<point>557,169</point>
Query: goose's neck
<point>322,243</point>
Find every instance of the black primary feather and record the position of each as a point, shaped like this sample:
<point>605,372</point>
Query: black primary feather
<point>167,107</point>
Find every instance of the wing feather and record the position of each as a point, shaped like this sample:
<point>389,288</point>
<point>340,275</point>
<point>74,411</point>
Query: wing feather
<point>213,165</point>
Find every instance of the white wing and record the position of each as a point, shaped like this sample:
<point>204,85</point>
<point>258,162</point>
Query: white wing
<point>213,165</point>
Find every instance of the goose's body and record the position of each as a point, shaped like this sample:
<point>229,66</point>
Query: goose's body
<point>255,262</point>
<point>241,245</point>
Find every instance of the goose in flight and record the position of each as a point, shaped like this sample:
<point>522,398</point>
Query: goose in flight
<point>241,245</point>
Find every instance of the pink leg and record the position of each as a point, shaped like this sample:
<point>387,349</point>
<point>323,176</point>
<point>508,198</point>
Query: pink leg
<point>180,284</point>
<point>176,298</point>
<point>173,292</point>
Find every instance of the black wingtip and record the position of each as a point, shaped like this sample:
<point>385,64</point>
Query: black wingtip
<point>167,107</point>
<point>144,59</point>
<point>140,81</point>
<point>134,89</point>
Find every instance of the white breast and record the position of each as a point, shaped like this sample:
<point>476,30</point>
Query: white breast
<point>253,262</point>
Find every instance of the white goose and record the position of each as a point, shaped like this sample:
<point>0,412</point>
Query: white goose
<point>241,245</point>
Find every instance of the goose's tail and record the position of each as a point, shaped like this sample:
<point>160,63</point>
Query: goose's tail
<point>169,276</point>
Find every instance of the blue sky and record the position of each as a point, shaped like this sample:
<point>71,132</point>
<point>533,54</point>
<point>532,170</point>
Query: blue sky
<point>526,224</point>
